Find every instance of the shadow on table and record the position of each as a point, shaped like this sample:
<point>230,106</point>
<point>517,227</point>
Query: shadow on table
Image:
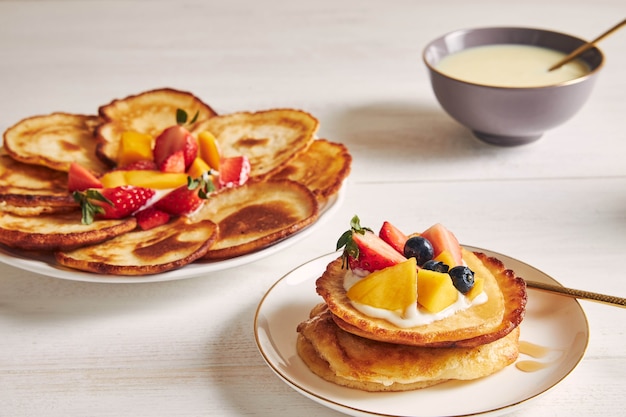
<point>393,129</point>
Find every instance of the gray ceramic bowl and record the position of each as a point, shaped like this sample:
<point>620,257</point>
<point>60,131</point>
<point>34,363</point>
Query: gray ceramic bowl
<point>509,116</point>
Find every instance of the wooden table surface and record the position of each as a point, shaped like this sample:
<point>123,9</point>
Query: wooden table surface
<point>187,347</point>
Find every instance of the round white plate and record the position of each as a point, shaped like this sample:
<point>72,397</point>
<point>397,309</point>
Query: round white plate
<point>555,323</point>
<point>45,264</point>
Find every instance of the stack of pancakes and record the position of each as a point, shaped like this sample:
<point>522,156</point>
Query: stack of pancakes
<point>349,348</point>
<point>293,175</point>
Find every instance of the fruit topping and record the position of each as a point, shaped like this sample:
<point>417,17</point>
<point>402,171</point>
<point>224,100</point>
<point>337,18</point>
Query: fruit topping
<point>80,178</point>
<point>392,288</point>
<point>435,290</point>
<point>173,163</point>
<point>172,140</point>
<point>134,146</point>
<point>234,171</point>
<point>478,287</point>
<point>365,250</point>
<point>419,248</point>
<point>392,235</point>
<point>151,217</point>
<point>141,178</point>
<point>140,165</point>
<point>434,265</point>
<point>111,203</point>
<point>208,149</point>
<point>198,168</point>
<point>185,199</point>
<point>442,239</point>
<point>462,278</point>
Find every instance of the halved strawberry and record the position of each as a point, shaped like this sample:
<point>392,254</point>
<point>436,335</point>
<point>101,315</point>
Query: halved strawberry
<point>443,239</point>
<point>393,236</point>
<point>112,203</point>
<point>234,171</point>
<point>364,249</point>
<point>173,163</point>
<point>151,217</point>
<point>374,253</point>
<point>174,139</point>
<point>185,199</point>
<point>80,178</point>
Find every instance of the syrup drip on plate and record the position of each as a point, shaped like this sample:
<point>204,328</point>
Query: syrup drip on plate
<point>534,351</point>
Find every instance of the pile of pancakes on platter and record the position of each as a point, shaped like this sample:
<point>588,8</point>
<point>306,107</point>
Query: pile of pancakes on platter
<point>293,176</point>
<point>344,346</point>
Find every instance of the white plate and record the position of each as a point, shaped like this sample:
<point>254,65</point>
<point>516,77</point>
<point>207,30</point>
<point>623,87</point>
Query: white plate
<point>553,322</point>
<point>45,264</point>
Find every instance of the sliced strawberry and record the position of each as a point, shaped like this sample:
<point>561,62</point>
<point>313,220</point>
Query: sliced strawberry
<point>443,239</point>
<point>142,165</point>
<point>173,163</point>
<point>174,139</point>
<point>374,253</point>
<point>151,217</point>
<point>185,199</point>
<point>234,171</point>
<point>80,178</point>
<point>112,203</point>
<point>393,236</point>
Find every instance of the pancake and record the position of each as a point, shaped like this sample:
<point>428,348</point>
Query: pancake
<point>356,362</point>
<point>472,327</point>
<point>55,140</point>
<point>256,215</point>
<point>322,168</point>
<point>61,231</point>
<point>30,190</point>
<point>149,112</point>
<point>144,252</point>
<point>269,138</point>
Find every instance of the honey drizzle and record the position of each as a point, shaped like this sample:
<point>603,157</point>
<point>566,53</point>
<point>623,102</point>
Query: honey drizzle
<point>534,351</point>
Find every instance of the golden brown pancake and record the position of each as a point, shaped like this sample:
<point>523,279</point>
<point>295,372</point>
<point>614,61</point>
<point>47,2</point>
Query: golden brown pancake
<point>257,214</point>
<point>149,112</point>
<point>144,252</point>
<point>322,168</point>
<point>474,326</point>
<point>269,138</point>
<point>30,190</point>
<point>58,231</point>
<point>55,140</point>
<point>356,362</point>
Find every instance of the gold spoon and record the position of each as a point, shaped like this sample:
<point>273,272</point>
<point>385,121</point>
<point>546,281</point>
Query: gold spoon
<point>585,295</point>
<point>582,48</point>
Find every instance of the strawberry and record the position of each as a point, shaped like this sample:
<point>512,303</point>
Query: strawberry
<point>173,163</point>
<point>80,178</point>
<point>185,199</point>
<point>174,139</point>
<point>234,171</point>
<point>151,217</point>
<point>112,203</point>
<point>442,239</point>
<point>393,236</point>
<point>141,165</point>
<point>365,250</point>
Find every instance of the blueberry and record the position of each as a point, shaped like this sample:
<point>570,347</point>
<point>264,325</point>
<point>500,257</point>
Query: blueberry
<point>419,248</point>
<point>462,278</point>
<point>437,266</point>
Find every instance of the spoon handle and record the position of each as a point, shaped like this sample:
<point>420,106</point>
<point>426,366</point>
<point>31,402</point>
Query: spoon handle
<point>582,48</point>
<point>570,292</point>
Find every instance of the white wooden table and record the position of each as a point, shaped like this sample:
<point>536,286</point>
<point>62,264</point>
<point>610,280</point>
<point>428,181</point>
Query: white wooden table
<point>186,348</point>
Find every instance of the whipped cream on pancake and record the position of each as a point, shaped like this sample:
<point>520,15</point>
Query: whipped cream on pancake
<point>413,315</point>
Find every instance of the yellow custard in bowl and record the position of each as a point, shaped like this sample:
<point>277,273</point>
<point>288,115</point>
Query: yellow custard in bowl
<point>510,65</point>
